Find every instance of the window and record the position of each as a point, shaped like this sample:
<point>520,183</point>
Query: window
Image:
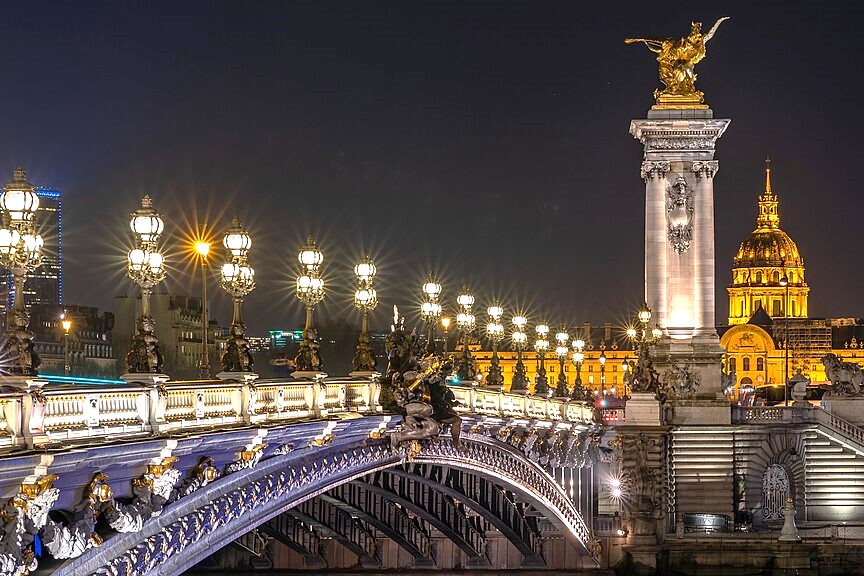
<point>775,277</point>
<point>733,363</point>
<point>759,277</point>
<point>757,304</point>
<point>760,364</point>
<point>745,364</point>
<point>590,379</point>
<point>775,308</point>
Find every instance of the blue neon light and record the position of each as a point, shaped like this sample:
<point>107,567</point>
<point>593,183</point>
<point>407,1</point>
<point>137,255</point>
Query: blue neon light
<point>79,379</point>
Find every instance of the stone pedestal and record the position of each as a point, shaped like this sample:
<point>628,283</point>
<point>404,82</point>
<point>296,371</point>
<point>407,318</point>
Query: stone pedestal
<point>146,378</point>
<point>364,374</point>
<point>849,408</point>
<point>308,375</point>
<point>238,376</point>
<point>642,409</point>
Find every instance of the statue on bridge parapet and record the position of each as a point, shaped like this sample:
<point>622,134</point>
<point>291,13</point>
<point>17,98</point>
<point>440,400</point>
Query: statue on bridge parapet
<point>847,378</point>
<point>418,387</point>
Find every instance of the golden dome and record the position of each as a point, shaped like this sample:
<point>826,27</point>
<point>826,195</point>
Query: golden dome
<point>768,245</point>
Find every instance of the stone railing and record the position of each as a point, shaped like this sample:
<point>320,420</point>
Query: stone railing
<point>40,413</point>
<point>772,414</point>
<point>489,402</point>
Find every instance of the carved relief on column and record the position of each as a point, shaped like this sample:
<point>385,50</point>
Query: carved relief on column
<point>679,215</point>
<point>705,169</point>
<point>654,169</point>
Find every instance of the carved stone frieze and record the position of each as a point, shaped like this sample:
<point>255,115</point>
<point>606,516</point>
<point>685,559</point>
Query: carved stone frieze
<point>678,382</point>
<point>245,459</point>
<point>640,470</point>
<point>682,143</point>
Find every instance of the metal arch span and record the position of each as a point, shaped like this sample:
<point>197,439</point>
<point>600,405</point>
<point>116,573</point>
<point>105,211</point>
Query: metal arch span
<point>193,527</point>
<point>507,466</point>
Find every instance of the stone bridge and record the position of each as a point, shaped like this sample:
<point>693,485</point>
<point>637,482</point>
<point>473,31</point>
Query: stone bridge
<point>135,479</point>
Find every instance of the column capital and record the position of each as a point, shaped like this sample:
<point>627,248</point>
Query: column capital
<point>705,169</point>
<point>654,169</point>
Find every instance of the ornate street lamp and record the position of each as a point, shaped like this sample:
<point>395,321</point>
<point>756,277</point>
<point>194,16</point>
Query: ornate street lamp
<point>602,360</point>
<point>146,267</point>
<point>641,376</point>
<point>578,358</point>
<point>365,300</point>
<point>784,282</point>
<point>562,351</point>
<point>495,332</point>
<point>20,253</point>
<point>465,322</point>
<point>445,324</point>
<point>541,346</point>
<point>520,341</point>
<point>67,325</point>
<point>203,249</point>
<point>310,291</point>
<point>238,279</point>
<point>430,310</point>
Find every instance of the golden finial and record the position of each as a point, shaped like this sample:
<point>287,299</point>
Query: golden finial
<point>768,176</point>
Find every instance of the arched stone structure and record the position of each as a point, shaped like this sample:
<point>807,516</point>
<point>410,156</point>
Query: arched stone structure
<point>191,528</point>
<point>778,448</point>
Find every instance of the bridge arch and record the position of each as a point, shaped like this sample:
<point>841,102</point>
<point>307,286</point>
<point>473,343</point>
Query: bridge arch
<point>193,527</point>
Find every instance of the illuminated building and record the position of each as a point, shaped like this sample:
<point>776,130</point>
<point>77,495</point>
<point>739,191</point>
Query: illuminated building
<point>764,259</point>
<point>768,309</point>
<point>45,284</point>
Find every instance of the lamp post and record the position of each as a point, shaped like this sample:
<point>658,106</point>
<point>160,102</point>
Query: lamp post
<point>146,267</point>
<point>445,323</point>
<point>562,351</point>
<point>20,253</point>
<point>238,279</point>
<point>602,360</point>
<point>430,310</point>
<point>365,300</point>
<point>520,340</point>
<point>541,345</point>
<point>203,249</point>
<point>310,291</point>
<point>578,358</point>
<point>642,377</point>
<point>67,325</point>
<point>495,332</point>
<point>465,322</point>
<point>784,282</point>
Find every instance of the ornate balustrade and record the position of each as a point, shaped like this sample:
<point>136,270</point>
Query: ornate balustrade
<point>772,414</point>
<point>489,402</point>
<point>48,413</point>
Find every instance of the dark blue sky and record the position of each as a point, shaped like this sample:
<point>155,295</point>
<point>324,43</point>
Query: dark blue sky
<point>489,140</point>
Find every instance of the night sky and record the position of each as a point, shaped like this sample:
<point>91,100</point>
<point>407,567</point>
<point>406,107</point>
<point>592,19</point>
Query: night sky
<point>487,141</point>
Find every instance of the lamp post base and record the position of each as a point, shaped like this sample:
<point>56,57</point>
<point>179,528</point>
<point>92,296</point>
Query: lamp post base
<point>148,378</point>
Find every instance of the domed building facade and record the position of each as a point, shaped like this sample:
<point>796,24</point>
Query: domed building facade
<point>768,270</point>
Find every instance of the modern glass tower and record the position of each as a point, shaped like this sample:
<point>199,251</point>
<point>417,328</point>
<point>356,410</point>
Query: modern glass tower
<point>45,284</point>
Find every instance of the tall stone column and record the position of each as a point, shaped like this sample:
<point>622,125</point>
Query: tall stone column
<point>678,169</point>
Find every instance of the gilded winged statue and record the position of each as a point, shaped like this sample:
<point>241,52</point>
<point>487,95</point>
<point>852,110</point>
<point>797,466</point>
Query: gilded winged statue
<point>676,59</point>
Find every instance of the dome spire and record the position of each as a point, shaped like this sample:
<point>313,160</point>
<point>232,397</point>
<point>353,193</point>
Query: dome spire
<point>769,216</point>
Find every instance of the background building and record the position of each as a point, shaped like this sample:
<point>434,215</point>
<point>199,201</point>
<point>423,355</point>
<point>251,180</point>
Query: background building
<point>178,327</point>
<point>89,340</point>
